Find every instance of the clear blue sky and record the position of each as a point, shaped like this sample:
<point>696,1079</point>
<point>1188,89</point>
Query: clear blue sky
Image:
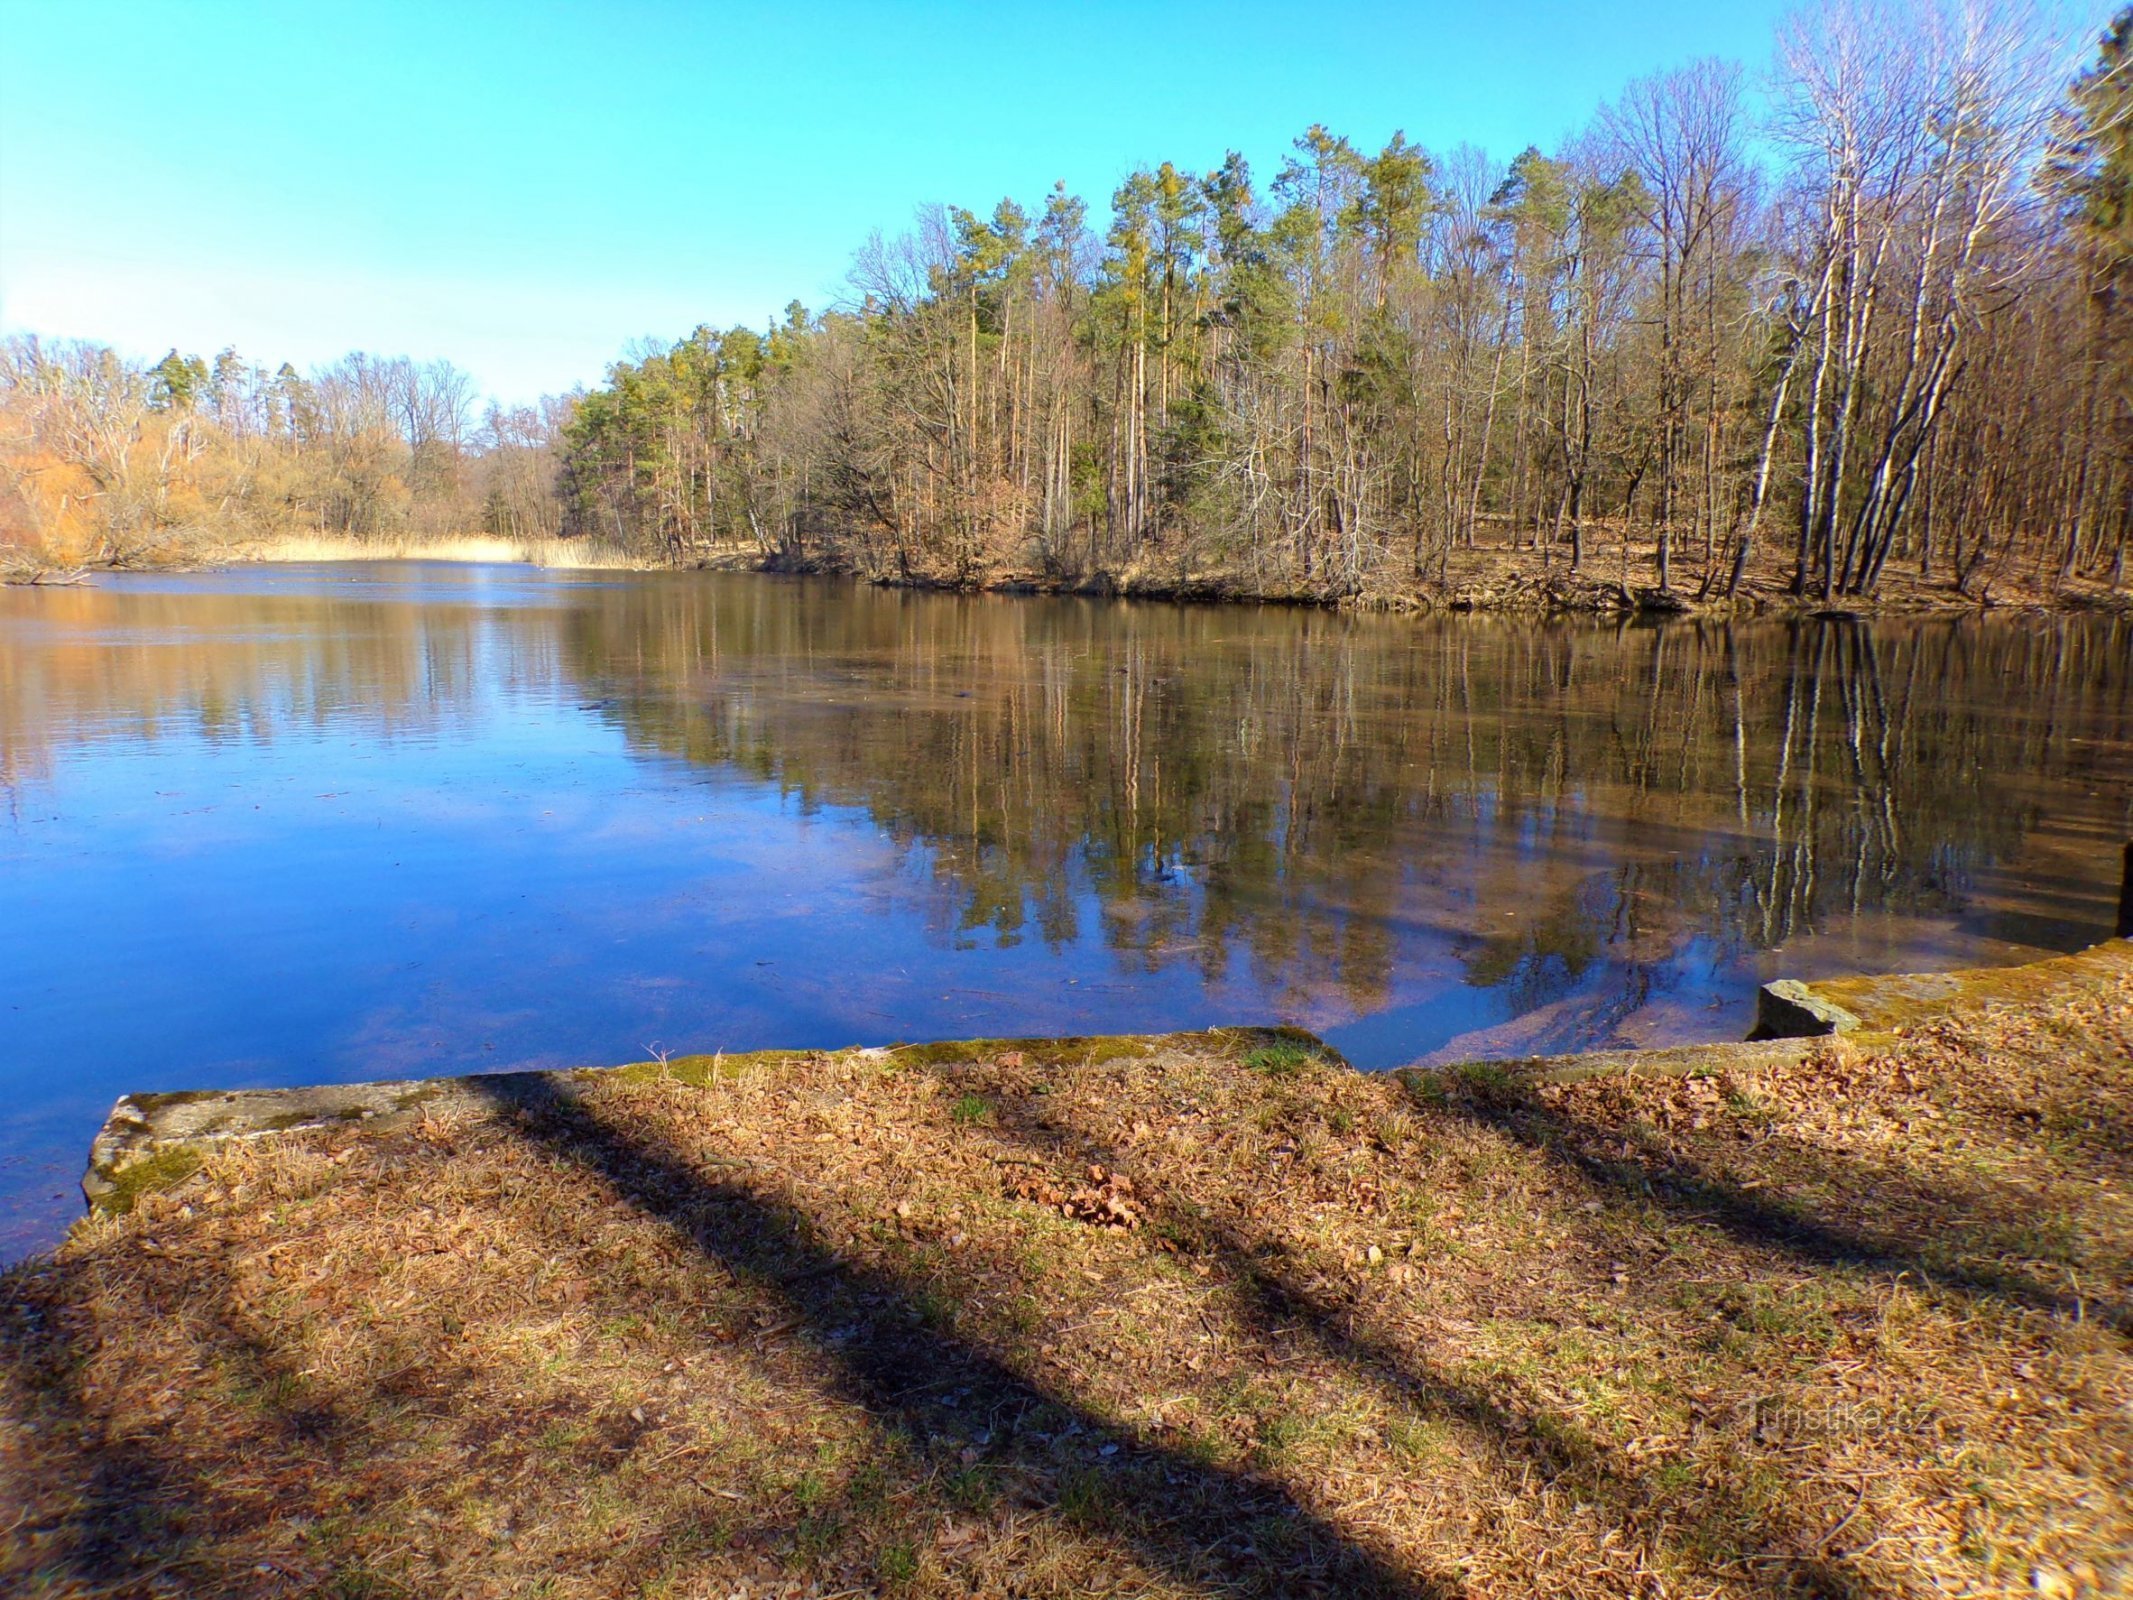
<point>525,187</point>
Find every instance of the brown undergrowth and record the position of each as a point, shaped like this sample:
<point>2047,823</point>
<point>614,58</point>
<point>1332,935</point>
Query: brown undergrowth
<point>1492,577</point>
<point>1225,1319</point>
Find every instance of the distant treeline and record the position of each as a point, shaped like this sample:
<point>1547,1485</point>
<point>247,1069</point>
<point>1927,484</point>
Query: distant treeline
<point>1884,323</point>
<point>107,459</point>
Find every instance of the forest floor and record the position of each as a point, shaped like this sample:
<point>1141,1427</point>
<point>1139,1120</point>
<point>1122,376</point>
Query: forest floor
<point>1193,1315</point>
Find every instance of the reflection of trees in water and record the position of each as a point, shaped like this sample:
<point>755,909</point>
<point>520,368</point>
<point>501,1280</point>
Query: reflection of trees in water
<point>119,663</point>
<point>1298,789</point>
<point>1293,797</point>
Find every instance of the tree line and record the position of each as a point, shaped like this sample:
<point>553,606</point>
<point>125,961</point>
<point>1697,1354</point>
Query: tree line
<point>1872,318</point>
<point>1884,322</point>
<point>107,459</point>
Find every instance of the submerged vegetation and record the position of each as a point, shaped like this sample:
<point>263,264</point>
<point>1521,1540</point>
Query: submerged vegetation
<point>1876,334</point>
<point>1213,1316</point>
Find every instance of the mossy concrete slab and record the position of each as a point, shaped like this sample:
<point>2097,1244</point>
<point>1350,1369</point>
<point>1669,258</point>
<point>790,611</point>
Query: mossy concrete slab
<point>1673,1061</point>
<point>152,1141</point>
<point>1791,1014</point>
<point>143,1131</point>
<point>1877,1004</point>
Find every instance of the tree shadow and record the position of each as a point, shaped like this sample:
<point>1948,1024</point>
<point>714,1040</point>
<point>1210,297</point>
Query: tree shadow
<point>146,1509</point>
<point>143,1505</point>
<point>124,1504</point>
<point>1611,1165</point>
<point>1199,1524</point>
<point>1278,1300</point>
<point>880,1337</point>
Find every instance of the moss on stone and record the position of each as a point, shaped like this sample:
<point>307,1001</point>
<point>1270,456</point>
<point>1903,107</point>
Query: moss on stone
<point>163,1100</point>
<point>698,1071</point>
<point>1910,999</point>
<point>164,1169</point>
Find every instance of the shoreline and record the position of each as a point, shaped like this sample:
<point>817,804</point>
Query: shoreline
<point>1546,598</point>
<point>1505,588</point>
<point>1516,593</point>
<point>152,1140</point>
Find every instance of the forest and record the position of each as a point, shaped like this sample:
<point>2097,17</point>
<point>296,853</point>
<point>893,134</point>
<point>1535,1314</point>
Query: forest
<point>1859,323</point>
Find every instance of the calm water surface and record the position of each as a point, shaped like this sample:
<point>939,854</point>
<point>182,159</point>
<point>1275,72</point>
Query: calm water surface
<point>292,825</point>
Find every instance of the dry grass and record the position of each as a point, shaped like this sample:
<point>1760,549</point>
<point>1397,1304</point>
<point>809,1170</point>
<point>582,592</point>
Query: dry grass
<point>24,566</point>
<point>565,553</point>
<point>1195,1321</point>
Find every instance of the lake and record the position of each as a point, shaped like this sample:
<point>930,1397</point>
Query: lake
<point>284,825</point>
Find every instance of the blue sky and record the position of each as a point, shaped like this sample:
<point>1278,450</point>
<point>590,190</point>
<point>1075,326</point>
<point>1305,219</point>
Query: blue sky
<point>526,187</point>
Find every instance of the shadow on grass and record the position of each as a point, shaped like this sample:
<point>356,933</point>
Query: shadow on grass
<point>266,1479</point>
<point>1198,1525</point>
<point>1610,1165</point>
<point>157,1506</point>
<point>145,1507</point>
<point>1280,1298</point>
<point>135,1504</point>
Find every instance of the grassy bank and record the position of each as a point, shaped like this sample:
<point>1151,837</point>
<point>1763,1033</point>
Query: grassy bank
<point>1206,1315</point>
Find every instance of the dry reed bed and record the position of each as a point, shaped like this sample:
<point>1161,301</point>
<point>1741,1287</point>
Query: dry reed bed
<point>557,553</point>
<point>1185,1321</point>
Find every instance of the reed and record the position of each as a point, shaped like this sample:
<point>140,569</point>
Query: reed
<point>559,553</point>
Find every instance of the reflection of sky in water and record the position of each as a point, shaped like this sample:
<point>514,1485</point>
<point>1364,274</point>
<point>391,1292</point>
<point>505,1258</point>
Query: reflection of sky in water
<point>285,826</point>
